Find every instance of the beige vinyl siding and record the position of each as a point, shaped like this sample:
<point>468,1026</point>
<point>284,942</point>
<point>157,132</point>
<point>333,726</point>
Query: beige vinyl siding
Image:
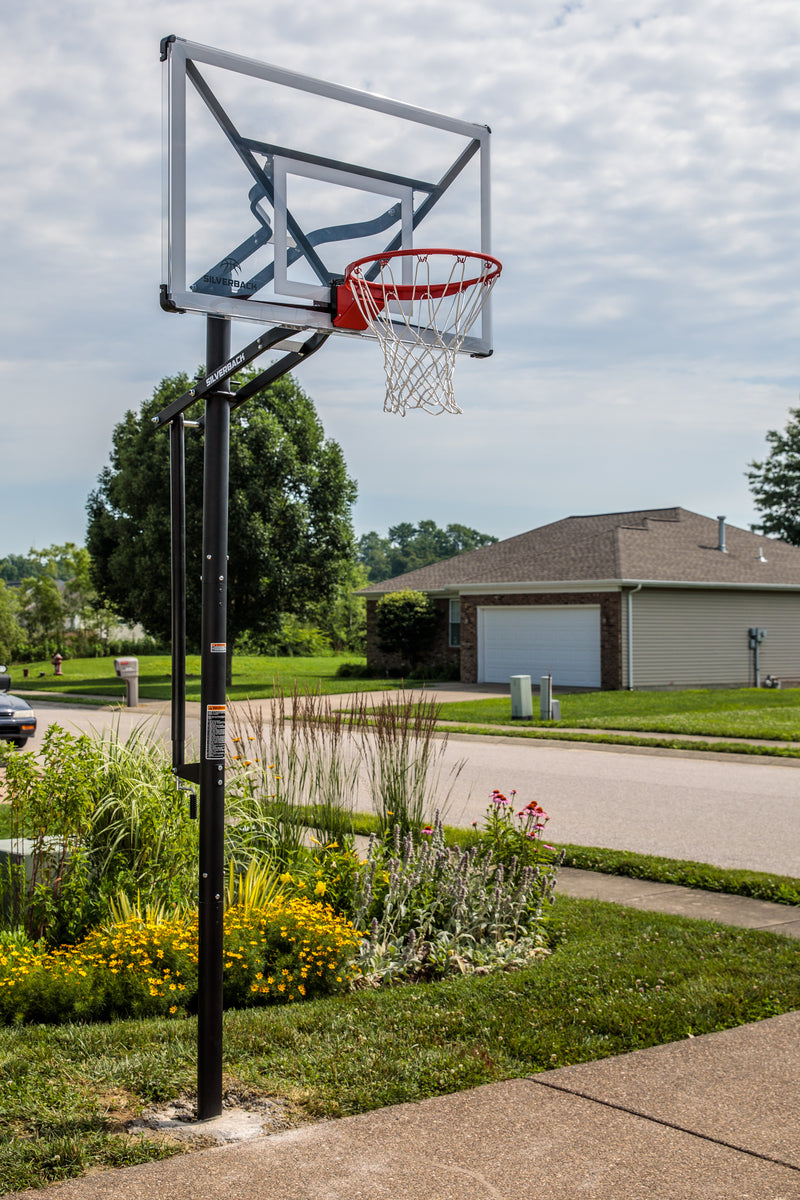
<point>696,637</point>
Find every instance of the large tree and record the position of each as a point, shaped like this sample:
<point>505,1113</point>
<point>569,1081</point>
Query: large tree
<point>290,535</point>
<point>775,483</point>
<point>408,547</point>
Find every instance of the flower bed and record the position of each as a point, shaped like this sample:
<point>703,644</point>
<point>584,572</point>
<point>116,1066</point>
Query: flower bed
<point>291,949</point>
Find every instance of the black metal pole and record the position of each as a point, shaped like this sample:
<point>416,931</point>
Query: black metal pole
<point>212,727</point>
<point>177,478</point>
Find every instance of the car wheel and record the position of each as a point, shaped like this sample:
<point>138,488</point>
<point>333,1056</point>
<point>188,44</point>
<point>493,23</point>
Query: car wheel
<point>19,742</point>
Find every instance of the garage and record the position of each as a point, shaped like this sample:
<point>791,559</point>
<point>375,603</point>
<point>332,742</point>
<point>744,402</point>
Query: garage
<point>563,640</point>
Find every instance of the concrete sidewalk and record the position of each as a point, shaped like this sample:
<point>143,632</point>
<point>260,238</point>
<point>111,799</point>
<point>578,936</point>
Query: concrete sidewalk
<point>710,1118</point>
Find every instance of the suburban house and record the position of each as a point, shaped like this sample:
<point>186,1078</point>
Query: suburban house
<point>653,599</point>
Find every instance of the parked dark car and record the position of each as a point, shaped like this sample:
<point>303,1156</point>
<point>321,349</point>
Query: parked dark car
<point>17,718</point>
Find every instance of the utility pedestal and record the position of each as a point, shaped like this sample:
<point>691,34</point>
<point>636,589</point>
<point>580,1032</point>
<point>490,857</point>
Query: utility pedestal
<point>521,702</point>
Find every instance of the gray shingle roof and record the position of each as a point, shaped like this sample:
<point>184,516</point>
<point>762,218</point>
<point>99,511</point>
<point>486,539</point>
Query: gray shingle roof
<point>667,544</point>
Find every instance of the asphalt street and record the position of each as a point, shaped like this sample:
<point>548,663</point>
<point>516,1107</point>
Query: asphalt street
<point>720,809</point>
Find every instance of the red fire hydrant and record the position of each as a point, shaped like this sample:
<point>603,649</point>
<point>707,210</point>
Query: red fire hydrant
<point>57,661</point>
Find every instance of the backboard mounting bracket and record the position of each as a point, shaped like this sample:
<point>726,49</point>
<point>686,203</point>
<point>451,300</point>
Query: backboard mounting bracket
<point>268,340</point>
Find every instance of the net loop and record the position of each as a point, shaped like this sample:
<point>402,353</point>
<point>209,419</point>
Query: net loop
<point>420,305</point>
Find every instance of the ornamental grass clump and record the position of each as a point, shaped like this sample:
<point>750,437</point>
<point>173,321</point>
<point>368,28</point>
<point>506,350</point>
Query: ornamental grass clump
<point>403,758</point>
<point>303,765</point>
<point>430,909</point>
<point>298,761</point>
<point>290,949</point>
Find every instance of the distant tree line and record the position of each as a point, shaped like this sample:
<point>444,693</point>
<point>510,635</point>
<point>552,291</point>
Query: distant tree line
<point>408,547</point>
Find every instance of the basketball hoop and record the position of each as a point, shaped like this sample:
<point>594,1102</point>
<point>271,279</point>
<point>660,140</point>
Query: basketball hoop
<point>420,305</point>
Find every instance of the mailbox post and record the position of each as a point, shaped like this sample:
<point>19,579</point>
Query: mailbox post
<point>128,669</point>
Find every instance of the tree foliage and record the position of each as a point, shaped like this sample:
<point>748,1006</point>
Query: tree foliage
<point>290,537</point>
<point>56,601</point>
<point>12,635</point>
<point>16,567</point>
<point>775,483</point>
<point>409,547</point>
<point>406,624</point>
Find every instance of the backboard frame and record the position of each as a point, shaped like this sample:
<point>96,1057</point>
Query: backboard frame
<point>294,304</point>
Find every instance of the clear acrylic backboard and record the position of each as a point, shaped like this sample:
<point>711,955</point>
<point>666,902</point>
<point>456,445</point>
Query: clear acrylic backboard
<point>275,182</point>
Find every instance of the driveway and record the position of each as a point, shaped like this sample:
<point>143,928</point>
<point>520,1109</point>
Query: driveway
<point>730,811</point>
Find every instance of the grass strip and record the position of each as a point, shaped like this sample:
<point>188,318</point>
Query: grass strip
<point>618,980</point>
<point>624,739</point>
<point>779,889</point>
<point>735,713</point>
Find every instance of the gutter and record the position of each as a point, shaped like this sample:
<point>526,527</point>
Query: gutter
<point>638,588</point>
<point>585,585</point>
<point>581,585</point>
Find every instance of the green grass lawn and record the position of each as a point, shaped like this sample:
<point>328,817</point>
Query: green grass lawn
<point>735,712</point>
<point>618,980</point>
<point>253,677</point>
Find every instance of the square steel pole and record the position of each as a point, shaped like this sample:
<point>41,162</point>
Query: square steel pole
<point>214,657</point>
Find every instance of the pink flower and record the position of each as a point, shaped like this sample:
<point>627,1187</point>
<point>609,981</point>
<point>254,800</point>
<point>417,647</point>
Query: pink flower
<point>426,831</point>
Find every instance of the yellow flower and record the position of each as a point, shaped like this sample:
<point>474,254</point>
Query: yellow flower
<point>319,890</point>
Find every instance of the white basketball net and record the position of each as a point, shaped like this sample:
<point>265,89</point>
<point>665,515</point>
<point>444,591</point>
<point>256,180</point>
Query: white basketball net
<point>421,336</point>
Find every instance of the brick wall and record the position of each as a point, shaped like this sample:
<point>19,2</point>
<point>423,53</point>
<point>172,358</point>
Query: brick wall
<point>610,628</point>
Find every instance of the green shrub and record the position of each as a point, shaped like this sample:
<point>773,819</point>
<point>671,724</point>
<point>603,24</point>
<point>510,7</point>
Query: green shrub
<point>53,795</point>
<point>295,638</point>
<point>406,624</point>
<point>101,815</point>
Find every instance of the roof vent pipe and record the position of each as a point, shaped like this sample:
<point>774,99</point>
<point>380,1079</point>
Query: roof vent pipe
<point>721,545</point>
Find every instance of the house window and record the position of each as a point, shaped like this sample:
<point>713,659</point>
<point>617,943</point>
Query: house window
<point>455,622</point>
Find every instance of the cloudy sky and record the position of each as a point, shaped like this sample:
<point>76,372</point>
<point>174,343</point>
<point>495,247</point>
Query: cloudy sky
<point>645,209</point>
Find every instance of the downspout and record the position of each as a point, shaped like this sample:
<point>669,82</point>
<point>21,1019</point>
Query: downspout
<point>638,588</point>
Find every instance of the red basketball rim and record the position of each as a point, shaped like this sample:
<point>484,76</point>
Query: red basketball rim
<point>417,291</point>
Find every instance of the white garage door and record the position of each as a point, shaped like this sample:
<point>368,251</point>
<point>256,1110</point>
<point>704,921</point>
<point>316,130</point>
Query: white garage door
<point>532,641</point>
